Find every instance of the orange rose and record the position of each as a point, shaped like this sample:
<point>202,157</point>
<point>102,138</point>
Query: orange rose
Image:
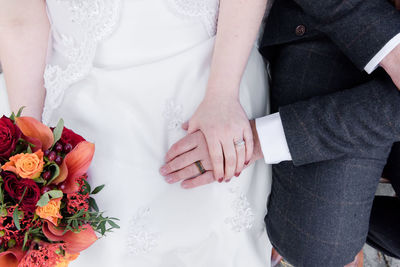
<point>27,165</point>
<point>51,211</point>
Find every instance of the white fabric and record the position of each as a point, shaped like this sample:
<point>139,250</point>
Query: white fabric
<point>272,139</point>
<point>377,59</point>
<point>141,83</point>
<point>4,106</point>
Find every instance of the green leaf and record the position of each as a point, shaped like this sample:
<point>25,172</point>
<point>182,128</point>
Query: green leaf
<point>29,150</point>
<point>39,180</point>
<point>20,111</point>
<point>75,224</point>
<point>26,238</point>
<point>45,198</point>
<point>113,224</point>
<point>57,132</point>
<point>87,187</point>
<point>16,219</point>
<point>98,189</point>
<point>93,204</point>
<point>3,212</point>
<point>56,193</point>
<point>102,227</point>
<point>55,172</point>
<point>12,116</point>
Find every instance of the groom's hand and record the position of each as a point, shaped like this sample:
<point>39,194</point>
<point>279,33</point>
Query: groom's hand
<point>391,64</point>
<point>180,160</point>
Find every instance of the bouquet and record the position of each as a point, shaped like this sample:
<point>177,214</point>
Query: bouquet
<point>47,212</point>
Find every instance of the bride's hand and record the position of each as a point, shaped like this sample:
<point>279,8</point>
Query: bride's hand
<point>225,126</point>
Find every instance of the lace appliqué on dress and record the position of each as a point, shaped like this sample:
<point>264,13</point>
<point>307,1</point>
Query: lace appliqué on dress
<point>243,218</point>
<point>206,10</point>
<point>173,115</point>
<point>140,239</point>
<point>96,19</point>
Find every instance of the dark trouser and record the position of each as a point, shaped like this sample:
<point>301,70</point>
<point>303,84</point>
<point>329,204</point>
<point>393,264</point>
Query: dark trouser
<point>384,229</point>
<point>319,214</point>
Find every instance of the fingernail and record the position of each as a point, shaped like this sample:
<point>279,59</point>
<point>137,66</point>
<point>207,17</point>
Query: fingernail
<point>220,180</point>
<point>163,170</point>
<point>227,181</point>
<point>247,163</point>
<point>169,180</point>
<point>237,174</point>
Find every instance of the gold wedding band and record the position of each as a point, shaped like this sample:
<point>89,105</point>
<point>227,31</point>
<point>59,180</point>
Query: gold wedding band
<point>200,166</point>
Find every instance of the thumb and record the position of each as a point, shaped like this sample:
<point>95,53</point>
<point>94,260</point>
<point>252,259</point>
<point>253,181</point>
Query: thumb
<point>185,126</point>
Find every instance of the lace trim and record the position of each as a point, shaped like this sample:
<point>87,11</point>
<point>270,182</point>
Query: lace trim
<point>97,19</point>
<point>243,218</point>
<point>206,10</point>
<point>140,239</point>
<point>173,115</point>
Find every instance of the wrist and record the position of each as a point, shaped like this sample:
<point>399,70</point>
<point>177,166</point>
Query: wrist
<point>392,60</point>
<point>222,91</point>
<point>257,152</point>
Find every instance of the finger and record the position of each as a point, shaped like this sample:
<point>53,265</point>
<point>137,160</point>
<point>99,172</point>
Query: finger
<point>217,157</point>
<point>180,162</point>
<point>230,159</point>
<point>185,126</point>
<point>192,127</point>
<point>186,173</point>
<point>248,138</point>
<point>241,158</point>
<point>204,179</point>
<point>184,145</point>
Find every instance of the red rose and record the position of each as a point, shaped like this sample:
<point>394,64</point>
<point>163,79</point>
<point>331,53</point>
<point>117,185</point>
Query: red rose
<point>69,137</point>
<point>15,188</point>
<point>9,136</point>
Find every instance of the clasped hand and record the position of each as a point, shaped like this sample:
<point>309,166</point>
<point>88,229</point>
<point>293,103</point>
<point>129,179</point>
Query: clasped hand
<point>219,137</point>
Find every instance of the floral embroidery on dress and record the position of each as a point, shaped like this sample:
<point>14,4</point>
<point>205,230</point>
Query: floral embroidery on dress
<point>173,115</point>
<point>95,20</point>
<point>140,239</point>
<point>243,217</point>
<point>206,10</point>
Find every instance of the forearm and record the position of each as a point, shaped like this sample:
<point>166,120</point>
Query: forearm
<point>24,33</point>
<point>238,26</point>
<point>361,122</point>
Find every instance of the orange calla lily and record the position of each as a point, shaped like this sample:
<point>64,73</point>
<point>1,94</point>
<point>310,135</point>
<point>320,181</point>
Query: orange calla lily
<point>11,257</point>
<point>37,145</point>
<point>35,129</point>
<point>75,164</point>
<point>74,242</point>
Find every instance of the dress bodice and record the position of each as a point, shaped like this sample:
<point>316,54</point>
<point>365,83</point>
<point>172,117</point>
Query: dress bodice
<point>119,34</point>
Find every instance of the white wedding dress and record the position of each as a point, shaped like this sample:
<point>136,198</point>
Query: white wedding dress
<point>126,75</point>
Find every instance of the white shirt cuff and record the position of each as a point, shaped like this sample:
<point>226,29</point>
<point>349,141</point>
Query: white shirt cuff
<point>376,60</point>
<point>272,139</point>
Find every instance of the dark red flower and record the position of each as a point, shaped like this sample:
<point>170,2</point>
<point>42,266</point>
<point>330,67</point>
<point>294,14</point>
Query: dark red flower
<point>9,136</point>
<point>70,137</point>
<point>15,188</point>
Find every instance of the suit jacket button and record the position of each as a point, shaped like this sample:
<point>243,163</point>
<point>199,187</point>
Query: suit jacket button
<point>300,30</point>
